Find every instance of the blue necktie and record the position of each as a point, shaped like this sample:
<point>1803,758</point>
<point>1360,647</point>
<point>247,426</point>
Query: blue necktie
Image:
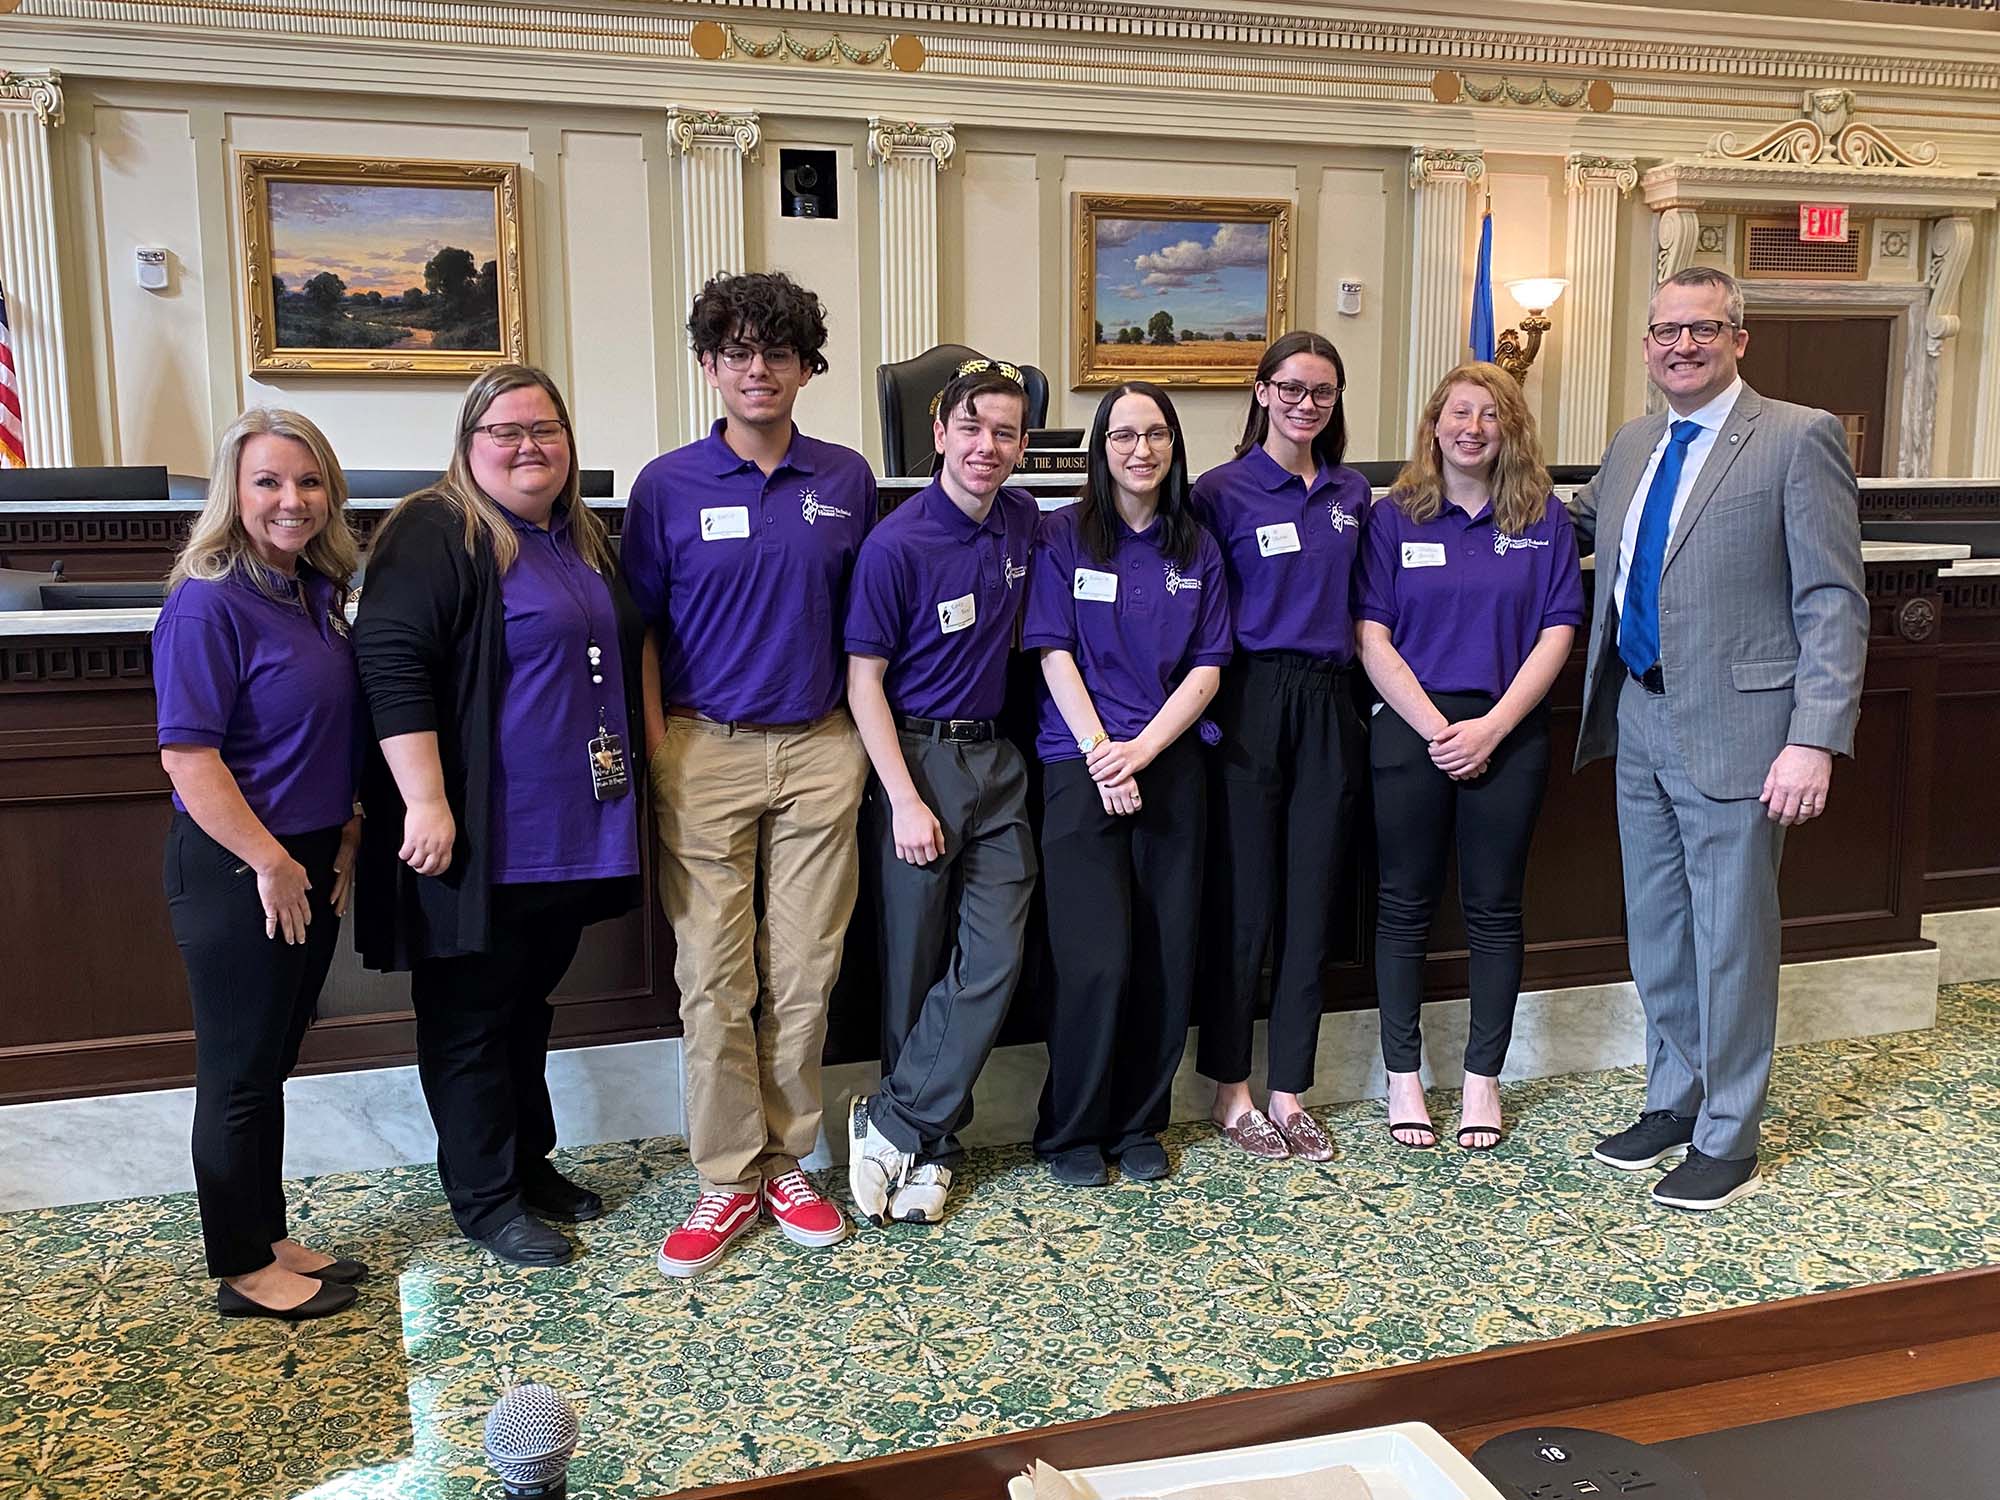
<point>1639,622</point>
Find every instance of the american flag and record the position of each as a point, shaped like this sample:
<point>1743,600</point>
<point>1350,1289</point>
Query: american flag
<point>13,442</point>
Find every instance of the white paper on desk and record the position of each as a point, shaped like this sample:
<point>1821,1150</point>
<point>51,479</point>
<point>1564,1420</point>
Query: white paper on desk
<point>1338,1483</point>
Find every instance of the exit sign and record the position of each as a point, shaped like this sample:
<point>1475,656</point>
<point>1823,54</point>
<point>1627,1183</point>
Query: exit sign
<point>1823,221</point>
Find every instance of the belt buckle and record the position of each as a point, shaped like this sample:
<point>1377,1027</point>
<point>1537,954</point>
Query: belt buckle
<point>960,731</point>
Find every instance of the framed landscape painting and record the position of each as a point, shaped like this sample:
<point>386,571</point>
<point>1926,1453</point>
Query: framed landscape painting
<point>1179,291</point>
<point>380,267</point>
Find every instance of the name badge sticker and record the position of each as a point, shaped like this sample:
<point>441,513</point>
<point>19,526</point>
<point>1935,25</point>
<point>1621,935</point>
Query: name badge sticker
<point>722,522</point>
<point>1423,554</point>
<point>1273,540</point>
<point>957,614</point>
<point>1100,587</point>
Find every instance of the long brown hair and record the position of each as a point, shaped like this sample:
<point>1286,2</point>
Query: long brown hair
<point>479,512</point>
<point>1330,446</point>
<point>1520,479</point>
<point>217,545</point>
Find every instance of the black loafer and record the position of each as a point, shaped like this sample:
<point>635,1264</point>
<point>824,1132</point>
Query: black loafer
<point>328,1299</point>
<point>550,1195</point>
<point>527,1241</point>
<point>1080,1166</point>
<point>1144,1162</point>
<point>342,1272</point>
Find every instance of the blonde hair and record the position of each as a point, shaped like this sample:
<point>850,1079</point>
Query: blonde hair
<point>480,513</point>
<point>1520,479</point>
<point>218,547</point>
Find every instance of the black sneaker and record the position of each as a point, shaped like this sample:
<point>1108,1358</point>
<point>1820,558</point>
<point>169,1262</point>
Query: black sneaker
<point>550,1195</point>
<point>1704,1181</point>
<point>1080,1166</point>
<point>1658,1135</point>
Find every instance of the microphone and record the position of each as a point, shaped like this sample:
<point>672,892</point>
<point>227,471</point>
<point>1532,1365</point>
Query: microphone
<point>530,1435</point>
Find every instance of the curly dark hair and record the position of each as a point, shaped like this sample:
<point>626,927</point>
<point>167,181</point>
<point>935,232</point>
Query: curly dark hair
<point>765,306</point>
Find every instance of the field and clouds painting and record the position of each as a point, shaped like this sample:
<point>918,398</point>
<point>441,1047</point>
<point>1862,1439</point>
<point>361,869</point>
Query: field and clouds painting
<point>1177,295</point>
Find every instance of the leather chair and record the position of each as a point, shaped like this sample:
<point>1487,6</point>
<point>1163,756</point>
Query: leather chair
<point>904,391</point>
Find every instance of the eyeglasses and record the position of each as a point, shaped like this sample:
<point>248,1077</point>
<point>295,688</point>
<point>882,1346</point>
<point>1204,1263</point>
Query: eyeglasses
<point>1703,331</point>
<point>777,357</point>
<point>1292,392</point>
<point>1124,439</point>
<point>509,434</point>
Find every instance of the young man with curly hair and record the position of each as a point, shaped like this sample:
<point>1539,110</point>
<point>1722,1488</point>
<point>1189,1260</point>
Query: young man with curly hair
<point>738,549</point>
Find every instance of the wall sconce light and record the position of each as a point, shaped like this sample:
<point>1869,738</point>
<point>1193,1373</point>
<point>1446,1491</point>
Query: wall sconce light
<point>1515,350</point>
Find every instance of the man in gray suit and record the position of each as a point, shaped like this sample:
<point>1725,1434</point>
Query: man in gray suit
<point>1726,652</point>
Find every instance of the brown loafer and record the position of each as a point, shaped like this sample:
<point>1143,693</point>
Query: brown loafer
<point>1254,1133</point>
<point>1304,1136</point>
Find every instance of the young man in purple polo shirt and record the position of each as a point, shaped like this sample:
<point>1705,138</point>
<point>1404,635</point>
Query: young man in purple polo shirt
<point>937,591</point>
<point>738,549</point>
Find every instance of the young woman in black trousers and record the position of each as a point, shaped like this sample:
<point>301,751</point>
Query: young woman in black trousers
<point>1470,598</point>
<point>500,654</point>
<point>259,733</point>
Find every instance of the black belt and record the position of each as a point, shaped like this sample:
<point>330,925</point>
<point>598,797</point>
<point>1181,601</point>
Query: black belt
<point>1653,680</point>
<point>949,731</point>
<point>1301,661</point>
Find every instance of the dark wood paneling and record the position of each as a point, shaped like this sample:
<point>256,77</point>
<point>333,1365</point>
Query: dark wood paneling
<point>1962,866</point>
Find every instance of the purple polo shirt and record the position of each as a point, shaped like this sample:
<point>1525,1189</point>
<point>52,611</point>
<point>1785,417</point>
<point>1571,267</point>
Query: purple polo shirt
<point>1290,552</point>
<point>547,824</point>
<point>270,684</point>
<point>743,577</point>
<point>1135,623</point>
<point>1464,602</point>
<point>936,595</point>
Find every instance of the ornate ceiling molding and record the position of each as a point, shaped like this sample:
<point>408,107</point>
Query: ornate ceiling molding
<point>1827,135</point>
<point>41,92</point>
<point>1593,94</point>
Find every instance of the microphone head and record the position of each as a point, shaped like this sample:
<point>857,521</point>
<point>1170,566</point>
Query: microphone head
<point>530,1434</point>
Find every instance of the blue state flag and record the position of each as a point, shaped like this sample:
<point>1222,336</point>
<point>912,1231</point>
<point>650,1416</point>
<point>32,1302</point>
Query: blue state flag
<point>1482,293</point>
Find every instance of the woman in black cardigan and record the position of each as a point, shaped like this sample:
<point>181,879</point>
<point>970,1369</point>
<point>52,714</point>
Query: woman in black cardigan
<point>500,654</point>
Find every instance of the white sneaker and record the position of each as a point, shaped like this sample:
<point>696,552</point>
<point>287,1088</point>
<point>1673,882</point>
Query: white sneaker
<point>875,1168</point>
<point>920,1200</point>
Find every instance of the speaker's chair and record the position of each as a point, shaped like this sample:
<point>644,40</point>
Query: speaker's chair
<point>906,389</point>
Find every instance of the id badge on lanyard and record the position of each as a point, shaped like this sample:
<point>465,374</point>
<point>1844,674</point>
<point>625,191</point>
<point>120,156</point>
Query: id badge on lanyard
<point>610,777</point>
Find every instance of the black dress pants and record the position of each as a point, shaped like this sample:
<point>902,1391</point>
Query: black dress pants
<point>1124,893</point>
<point>1419,813</point>
<point>253,997</point>
<point>1281,817</point>
<point>483,1049</point>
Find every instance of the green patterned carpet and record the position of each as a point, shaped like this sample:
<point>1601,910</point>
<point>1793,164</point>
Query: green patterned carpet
<point>1033,1304</point>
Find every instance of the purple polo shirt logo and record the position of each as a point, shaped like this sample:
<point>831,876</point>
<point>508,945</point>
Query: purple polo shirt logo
<point>812,508</point>
<point>337,623</point>
<point>1012,570</point>
<point>1503,543</point>
<point>1341,519</point>
<point>1175,582</point>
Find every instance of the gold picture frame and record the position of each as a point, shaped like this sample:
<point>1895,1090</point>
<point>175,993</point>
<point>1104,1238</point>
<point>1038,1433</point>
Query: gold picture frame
<point>328,239</point>
<point>1218,270</point>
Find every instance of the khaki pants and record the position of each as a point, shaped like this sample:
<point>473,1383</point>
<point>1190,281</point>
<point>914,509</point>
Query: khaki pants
<point>730,803</point>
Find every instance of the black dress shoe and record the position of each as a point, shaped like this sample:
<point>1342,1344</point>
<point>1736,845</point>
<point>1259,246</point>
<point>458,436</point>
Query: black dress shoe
<point>341,1272</point>
<point>527,1241</point>
<point>553,1196</point>
<point>330,1298</point>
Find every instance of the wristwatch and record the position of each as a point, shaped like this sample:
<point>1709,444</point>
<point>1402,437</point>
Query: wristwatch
<point>1090,742</point>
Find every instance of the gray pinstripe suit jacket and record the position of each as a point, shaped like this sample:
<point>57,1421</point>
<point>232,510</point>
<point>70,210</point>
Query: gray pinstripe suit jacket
<point>1763,621</point>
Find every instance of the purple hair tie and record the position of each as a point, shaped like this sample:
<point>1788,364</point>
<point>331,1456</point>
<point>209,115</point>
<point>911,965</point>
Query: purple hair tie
<point>1210,732</point>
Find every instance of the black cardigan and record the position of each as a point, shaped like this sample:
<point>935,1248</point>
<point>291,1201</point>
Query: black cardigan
<point>430,638</point>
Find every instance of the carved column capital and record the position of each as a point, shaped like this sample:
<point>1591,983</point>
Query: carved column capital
<point>688,129</point>
<point>41,92</point>
<point>1950,250</point>
<point>1679,233</point>
<point>1583,171</point>
<point>892,138</point>
<point>1445,164</point>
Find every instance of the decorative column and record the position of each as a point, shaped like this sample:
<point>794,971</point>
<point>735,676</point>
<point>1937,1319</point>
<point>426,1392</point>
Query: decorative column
<point>31,106</point>
<point>1677,235</point>
<point>1583,404</point>
<point>1986,422</point>
<point>1442,181</point>
<point>712,148</point>
<point>909,158</point>
<point>1950,252</point>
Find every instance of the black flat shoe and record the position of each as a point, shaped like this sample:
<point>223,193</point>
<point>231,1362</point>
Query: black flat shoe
<point>1080,1166</point>
<point>330,1298</point>
<point>1144,1162</point>
<point>550,1195</point>
<point>341,1273</point>
<point>527,1241</point>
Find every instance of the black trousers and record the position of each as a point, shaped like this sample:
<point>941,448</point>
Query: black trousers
<point>253,997</point>
<point>483,1049</point>
<point>1419,811</point>
<point>1281,818</point>
<point>1123,896</point>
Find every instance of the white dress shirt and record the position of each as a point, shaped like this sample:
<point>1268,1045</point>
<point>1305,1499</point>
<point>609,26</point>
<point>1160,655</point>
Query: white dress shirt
<point>1711,419</point>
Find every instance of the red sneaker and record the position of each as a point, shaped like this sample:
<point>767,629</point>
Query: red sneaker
<point>805,1214</point>
<point>707,1233</point>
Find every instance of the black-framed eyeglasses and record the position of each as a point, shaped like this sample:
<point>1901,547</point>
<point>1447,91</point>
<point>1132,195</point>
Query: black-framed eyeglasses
<point>1702,331</point>
<point>1124,439</point>
<point>778,358</point>
<point>509,434</point>
<point>1292,392</point>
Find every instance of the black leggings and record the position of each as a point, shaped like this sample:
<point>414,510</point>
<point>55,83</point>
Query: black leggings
<point>253,997</point>
<point>1418,809</point>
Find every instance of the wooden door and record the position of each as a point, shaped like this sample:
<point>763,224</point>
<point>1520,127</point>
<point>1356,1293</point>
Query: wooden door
<point>1838,364</point>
